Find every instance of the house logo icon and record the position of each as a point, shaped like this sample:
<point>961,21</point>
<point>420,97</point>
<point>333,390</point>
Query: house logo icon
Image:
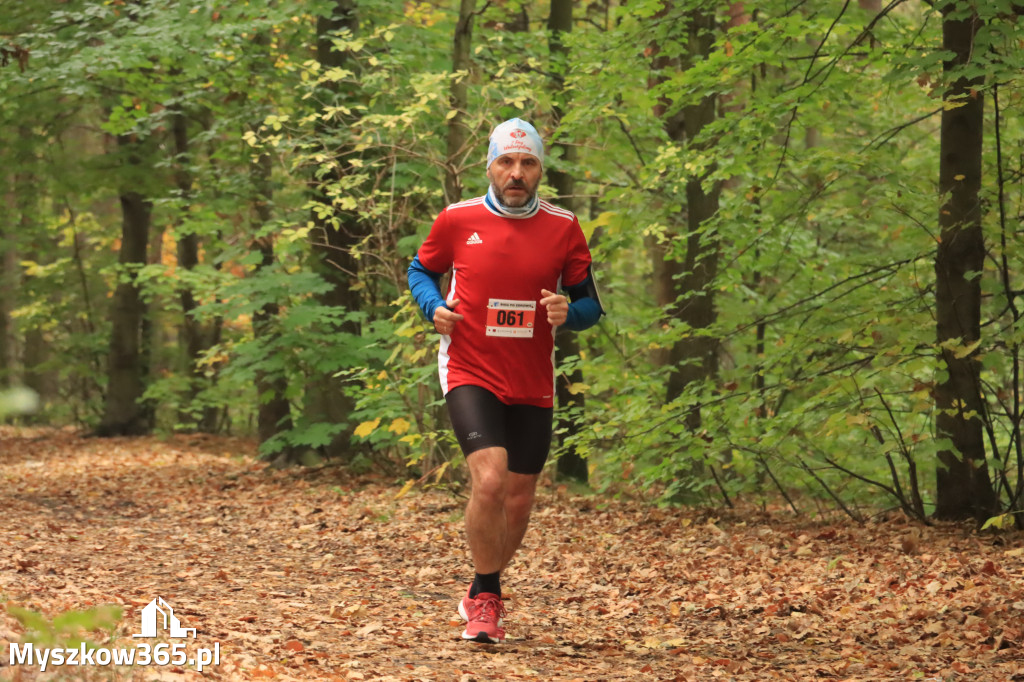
<point>159,611</point>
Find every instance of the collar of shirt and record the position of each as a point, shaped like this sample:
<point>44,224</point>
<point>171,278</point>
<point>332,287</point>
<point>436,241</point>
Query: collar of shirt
<point>527,211</point>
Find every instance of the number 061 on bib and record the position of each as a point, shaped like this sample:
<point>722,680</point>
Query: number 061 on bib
<point>512,319</point>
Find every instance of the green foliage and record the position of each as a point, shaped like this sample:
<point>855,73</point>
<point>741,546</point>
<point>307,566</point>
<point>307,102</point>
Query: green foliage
<point>66,629</point>
<point>306,339</point>
<point>827,356</point>
<point>825,143</point>
<point>59,303</point>
<point>399,409</point>
<point>18,401</point>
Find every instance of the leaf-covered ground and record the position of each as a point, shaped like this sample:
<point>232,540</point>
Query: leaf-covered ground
<point>313,576</point>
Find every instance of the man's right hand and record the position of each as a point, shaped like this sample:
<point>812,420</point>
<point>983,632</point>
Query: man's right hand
<point>445,317</point>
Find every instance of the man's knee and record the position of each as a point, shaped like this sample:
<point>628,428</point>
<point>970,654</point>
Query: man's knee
<point>489,485</point>
<point>520,495</point>
<point>518,505</point>
<point>489,473</point>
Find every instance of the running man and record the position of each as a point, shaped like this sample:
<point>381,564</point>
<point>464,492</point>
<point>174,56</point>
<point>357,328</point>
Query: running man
<point>509,253</point>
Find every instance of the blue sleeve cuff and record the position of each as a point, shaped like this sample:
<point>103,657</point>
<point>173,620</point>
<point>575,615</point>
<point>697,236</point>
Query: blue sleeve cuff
<point>585,309</point>
<point>583,314</point>
<point>425,286</point>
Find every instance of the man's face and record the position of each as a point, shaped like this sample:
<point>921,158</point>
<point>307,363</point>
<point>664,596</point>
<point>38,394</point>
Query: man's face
<point>515,177</point>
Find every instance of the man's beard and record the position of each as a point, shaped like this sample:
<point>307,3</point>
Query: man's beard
<point>516,201</point>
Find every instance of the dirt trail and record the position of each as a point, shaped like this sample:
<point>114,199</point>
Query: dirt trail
<point>312,576</point>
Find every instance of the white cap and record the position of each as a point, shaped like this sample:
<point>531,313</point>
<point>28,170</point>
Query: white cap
<point>515,136</point>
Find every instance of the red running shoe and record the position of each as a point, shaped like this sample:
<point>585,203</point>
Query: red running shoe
<point>484,617</point>
<point>468,607</point>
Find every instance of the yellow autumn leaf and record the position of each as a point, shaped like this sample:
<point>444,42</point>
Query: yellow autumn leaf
<point>652,642</point>
<point>602,220</point>
<point>405,489</point>
<point>440,472</point>
<point>853,419</point>
<point>366,428</point>
<point>407,330</point>
<point>961,351</point>
<point>577,388</point>
<point>1002,522</point>
<point>399,426</point>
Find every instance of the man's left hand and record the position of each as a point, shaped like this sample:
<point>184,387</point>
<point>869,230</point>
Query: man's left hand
<point>556,305</point>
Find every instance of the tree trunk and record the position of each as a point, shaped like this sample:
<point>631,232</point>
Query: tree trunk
<point>194,337</point>
<point>338,232</point>
<point>666,271</point>
<point>964,489</point>
<point>124,412</point>
<point>458,133</point>
<point>9,275</point>
<point>8,279</point>
<point>571,465</point>
<point>23,357</point>
<point>695,357</point>
<point>273,414</point>
<point>684,285</point>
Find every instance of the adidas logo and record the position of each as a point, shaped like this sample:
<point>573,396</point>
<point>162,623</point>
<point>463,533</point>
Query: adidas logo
<point>475,239</point>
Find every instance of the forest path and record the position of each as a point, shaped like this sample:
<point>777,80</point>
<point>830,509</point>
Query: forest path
<point>309,575</point>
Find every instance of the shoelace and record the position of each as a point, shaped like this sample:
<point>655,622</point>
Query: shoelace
<point>491,610</point>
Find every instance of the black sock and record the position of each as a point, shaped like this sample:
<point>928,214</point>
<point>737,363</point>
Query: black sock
<point>486,582</point>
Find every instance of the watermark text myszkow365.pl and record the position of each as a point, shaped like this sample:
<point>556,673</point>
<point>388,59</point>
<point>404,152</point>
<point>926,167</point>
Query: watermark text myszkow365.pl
<point>156,614</point>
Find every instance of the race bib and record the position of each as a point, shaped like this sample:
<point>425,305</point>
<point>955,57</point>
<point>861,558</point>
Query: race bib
<point>511,318</point>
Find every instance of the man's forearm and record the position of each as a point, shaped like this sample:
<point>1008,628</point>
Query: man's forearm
<point>425,287</point>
